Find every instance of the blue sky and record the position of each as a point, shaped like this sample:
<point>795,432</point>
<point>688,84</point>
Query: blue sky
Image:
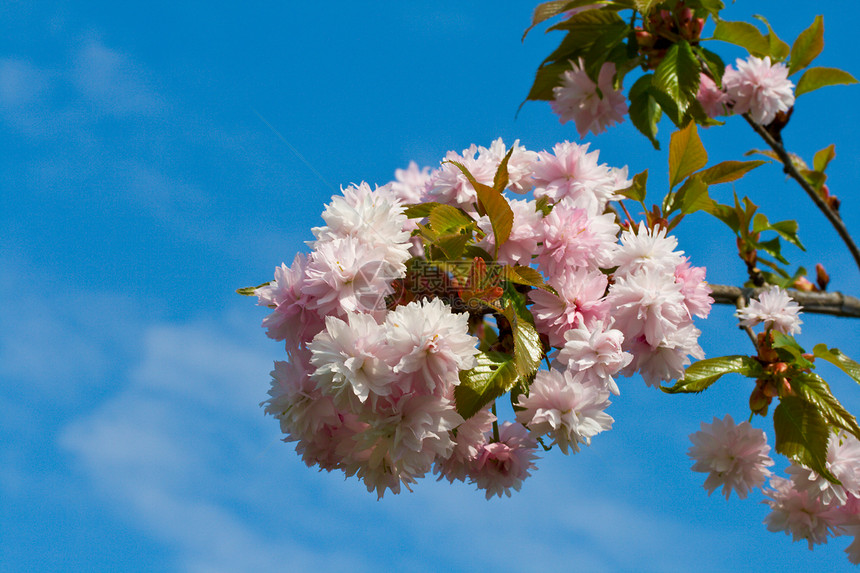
<point>145,180</point>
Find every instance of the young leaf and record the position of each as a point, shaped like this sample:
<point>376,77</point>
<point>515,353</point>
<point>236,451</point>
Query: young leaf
<point>807,46</point>
<point>494,205</point>
<point>815,78</point>
<point>815,390</point>
<point>835,357</point>
<point>777,49</point>
<point>637,190</point>
<point>420,210</point>
<point>728,171</point>
<point>444,218</point>
<point>788,349</point>
<point>546,78</point>
<point>700,375</point>
<point>249,291</point>
<point>744,35</point>
<point>823,158</point>
<point>686,154</point>
<point>494,375</point>
<point>500,179</point>
<point>802,434</point>
<point>452,244</point>
<point>695,196</point>
<point>528,349</point>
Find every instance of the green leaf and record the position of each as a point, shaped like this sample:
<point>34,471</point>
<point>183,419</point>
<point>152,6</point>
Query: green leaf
<point>249,291</point>
<point>527,276</point>
<point>528,350</point>
<point>494,205</point>
<point>444,218</point>
<point>789,350</point>
<point>686,154</point>
<point>807,46</point>
<point>815,390</point>
<point>494,375</point>
<point>823,158</point>
<point>700,375</point>
<point>678,75</point>
<point>802,434</point>
<point>815,78</point>
<point>712,62</point>
<point>773,248</point>
<point>694,197</point>
<point>835,357</point>
<point>452,244</point>
<point>637,189</point>
<point>644,6</point>
<point>786,229</point>
<point>777,49</point>
<point>420,210</point>
<point>728,171</point>
<point>644,111</point>
<point>546,11</point>
<point>744,35</point>
<point>546,78</point>
<point>500,179</point>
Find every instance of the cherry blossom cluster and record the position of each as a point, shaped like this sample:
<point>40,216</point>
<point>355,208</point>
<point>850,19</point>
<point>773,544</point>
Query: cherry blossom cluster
<point>805,505</point>
<point>757,87</point>
<point>368,387</point>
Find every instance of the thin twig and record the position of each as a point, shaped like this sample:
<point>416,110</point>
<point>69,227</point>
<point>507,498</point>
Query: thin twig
<point>741,302</point>
<point>791,171</point>
<point>831,303</point>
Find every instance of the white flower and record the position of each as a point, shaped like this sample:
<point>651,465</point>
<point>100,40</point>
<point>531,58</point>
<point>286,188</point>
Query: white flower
<point>647,248</point>
<point>734,456</point>
<point>775,309</point>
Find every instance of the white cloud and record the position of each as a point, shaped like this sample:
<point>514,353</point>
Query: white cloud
<point>110,79</point>
<point>172,451</point>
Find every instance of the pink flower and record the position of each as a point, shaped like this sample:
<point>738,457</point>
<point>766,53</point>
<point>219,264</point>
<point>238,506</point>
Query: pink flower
<point>526,233</point>
<point>759,88</point>
<point>648,303</point>
<point>665,361</point>
<point>713,99</point>
<point>292,320</point>
<point>651,248</point>
<point>694,288</point>
<point>572,238</point>
<point>843,461</point>
<point>561,406</point>
<point>775,309</point>
<point>410,184</point>
<point>580,301</point>
<point>734,456</point>
<point>502,466</point>
<point>471,438</point>
<point>799,515</point>
<point>348,360</point>
<point>569,172</point>
<point>430,344</point>
<point>596,350</point>
<point>577,99</point>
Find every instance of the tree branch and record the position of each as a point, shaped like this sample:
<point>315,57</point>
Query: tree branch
<point>832,303</point>
<point>791,171</point>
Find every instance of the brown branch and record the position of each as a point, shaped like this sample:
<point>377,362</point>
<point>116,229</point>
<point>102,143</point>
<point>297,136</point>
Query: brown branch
<point>832,303</point>
<point>791,171</point>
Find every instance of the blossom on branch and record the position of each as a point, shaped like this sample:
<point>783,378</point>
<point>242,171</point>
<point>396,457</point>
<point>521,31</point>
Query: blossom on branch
<point>592,107</point>
<point>759,87</point>
<point>734,456</point>
<point>775,309</point>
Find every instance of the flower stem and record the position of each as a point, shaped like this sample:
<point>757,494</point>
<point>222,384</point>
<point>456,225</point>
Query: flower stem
<point>791,171</point>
